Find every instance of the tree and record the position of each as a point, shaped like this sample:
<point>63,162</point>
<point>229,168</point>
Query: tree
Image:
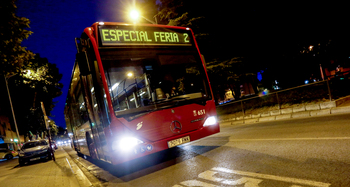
<point>12,32</point>
<point>185,14</point>
<point>231,73</point>
<point>40,83</point>
<point>53,128</point>
<point>227,67</point>
<point>35,78</point>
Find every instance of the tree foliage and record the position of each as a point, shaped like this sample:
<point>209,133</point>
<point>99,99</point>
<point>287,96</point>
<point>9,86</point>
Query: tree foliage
<point>230,74</point>
<point>12,32</point>
<point>33,79</point>
<point>53,128</point>
<point>226,67</point>
<point>40,83</point>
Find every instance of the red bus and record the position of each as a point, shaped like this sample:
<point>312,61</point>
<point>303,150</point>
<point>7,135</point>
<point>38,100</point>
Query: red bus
<point>137,90</point>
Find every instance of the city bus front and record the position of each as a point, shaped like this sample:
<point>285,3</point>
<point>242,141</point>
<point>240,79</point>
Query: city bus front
<point>158,88</point>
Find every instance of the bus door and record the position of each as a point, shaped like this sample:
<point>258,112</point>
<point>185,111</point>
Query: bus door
<point>96,121</point>
<point>95,108</point>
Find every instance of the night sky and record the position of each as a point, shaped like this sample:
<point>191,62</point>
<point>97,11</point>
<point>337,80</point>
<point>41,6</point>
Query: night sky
<point>55,24</point>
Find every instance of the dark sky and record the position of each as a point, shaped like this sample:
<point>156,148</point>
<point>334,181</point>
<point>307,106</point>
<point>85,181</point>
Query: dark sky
<point>55,24</point>
<point>249,26</point>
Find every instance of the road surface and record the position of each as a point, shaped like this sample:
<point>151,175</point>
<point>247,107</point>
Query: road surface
<point>294,153</point>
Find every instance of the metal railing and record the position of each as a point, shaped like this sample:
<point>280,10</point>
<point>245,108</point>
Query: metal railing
<point>320,91</point>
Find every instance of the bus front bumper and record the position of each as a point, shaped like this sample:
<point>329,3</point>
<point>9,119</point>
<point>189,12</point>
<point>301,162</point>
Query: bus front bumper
<point>148,148</point>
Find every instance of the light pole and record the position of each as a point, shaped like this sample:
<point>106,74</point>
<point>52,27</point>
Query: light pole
<point>46,119</point>
<point>13,113</point>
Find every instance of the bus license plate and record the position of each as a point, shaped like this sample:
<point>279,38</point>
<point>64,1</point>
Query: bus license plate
<point>178,141</point>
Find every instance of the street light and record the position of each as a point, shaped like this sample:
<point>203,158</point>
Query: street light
<point>135,16</point>
<point>13,113</point>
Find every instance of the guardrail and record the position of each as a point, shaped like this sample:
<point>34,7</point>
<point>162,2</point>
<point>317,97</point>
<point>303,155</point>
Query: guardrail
<point>317,92</point>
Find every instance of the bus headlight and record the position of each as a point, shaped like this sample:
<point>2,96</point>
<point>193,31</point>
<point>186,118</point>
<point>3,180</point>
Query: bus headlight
<point>210,121</point>
<point>126,144</point>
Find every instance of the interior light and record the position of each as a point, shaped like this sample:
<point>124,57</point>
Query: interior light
<point>115,86</point>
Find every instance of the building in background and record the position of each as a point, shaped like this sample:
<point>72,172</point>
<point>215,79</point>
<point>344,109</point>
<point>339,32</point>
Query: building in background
<point>7,135</point>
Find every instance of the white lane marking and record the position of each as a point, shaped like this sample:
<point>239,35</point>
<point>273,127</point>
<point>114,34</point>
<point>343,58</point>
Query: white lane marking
<point>70,166</point>
<point>209,175</point>
<point>197,183</point>
<point>272,177</point>
<point>288,139</point>
<point>248,182</point>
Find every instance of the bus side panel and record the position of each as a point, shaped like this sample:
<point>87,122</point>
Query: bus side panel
<point>82,139</point>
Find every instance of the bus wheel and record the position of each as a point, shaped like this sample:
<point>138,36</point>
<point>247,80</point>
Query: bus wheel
<point>92,151</point>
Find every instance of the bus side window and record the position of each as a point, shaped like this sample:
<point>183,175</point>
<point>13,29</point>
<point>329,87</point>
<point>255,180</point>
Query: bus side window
<point>99,91</point>
<point>79,110</point>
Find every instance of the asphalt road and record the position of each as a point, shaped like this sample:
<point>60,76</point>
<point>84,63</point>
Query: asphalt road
<point>293,153</point>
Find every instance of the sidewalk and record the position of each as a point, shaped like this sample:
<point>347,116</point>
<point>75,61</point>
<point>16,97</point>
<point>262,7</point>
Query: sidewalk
<point>339,106</point>
<point>59,173</point>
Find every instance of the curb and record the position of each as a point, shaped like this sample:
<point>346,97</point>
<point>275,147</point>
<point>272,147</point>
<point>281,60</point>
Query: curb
<point>79,174</point>
<point>99,176</point>
<point>314,110</point>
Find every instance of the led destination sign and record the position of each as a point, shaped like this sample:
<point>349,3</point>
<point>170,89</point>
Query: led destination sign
<point>130,35</point>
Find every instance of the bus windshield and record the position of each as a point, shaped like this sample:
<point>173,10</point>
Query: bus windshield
<point>142,80</point>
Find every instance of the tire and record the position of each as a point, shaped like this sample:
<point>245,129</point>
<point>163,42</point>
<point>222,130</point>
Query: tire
<point>92,151</point>
<point>49,156</point>
<point>9,157</point>
<point>91,146</point>
<point>21,163</point>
